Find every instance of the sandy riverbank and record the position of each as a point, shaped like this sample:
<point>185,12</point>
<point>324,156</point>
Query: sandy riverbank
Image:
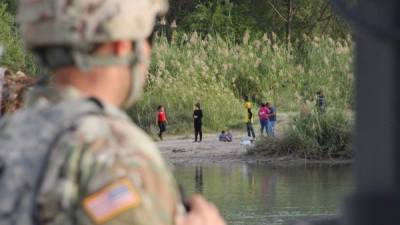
<point>178,150</point>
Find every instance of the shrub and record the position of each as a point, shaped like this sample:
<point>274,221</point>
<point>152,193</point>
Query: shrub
<point>312,135</point>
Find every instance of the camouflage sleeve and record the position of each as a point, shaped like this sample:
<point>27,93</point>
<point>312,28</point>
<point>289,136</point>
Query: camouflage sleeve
<point>119,181</point>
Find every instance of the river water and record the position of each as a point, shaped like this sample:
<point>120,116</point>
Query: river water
<point>257,194</point>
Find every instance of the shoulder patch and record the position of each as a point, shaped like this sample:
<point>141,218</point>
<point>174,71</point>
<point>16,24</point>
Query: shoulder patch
<point>111,201</point>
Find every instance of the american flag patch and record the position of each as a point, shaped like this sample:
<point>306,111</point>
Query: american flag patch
<point>111,201</point>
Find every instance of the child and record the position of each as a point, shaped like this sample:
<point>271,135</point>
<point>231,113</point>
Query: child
<point>161,121</point>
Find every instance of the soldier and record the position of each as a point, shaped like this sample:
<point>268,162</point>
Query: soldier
<point>71,156</point>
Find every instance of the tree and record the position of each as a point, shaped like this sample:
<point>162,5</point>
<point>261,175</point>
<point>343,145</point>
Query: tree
<point>290,19</point>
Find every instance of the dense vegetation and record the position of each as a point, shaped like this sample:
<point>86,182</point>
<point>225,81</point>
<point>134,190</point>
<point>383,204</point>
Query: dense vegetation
<point>290,19</point>
<point>217,73</point>
<point>216,51</point>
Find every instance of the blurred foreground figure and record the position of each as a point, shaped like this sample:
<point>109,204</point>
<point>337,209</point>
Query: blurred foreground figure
<point>71,156</point>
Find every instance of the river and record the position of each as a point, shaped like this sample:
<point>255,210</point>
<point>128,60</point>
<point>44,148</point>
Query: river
<point>259,194</point>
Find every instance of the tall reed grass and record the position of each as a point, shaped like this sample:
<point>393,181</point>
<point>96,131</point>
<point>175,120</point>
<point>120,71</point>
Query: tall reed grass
<point>217,72</point>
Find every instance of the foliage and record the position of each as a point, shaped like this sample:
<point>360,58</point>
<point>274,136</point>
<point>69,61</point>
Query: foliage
<point>231,18</point>
<point>219,17</point>
<point>179,96</point>
<point>216,66</point>
<point>15,56</point>
<point>313,135</point>
<point>11,5</point>
<point>217,72</point>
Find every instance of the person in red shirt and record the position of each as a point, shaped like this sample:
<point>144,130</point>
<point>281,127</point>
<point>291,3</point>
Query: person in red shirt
<point>161,121</point>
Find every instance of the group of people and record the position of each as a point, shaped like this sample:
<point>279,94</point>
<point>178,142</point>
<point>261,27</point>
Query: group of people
<point>161,119</point>
<point>225,136</point>
<point>266,116</point>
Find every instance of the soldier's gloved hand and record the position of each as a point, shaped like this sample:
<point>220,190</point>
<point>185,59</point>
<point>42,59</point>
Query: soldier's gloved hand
<point>201,212</point>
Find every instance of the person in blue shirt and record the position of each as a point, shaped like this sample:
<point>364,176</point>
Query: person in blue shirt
<point>225,136</point>
<point>272,120</point>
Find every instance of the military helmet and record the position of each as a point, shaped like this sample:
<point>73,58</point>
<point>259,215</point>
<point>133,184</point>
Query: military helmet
<point>64,32</point>
<point>78,23</point>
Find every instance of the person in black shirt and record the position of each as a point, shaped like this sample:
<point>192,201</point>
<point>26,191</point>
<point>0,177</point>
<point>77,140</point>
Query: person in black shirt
<point>197,116</point>
<point>320,102</point>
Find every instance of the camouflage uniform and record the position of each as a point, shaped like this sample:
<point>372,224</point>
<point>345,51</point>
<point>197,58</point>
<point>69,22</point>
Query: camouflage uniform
<point>104,149</point>
<point>79,25</point>
<point>105,170</point>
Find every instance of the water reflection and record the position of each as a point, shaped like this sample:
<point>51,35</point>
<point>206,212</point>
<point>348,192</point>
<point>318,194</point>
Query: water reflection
<point>198,179</point>
<point>254,194</point>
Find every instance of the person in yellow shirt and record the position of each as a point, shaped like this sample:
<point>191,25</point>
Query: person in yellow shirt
<point>249,118</point>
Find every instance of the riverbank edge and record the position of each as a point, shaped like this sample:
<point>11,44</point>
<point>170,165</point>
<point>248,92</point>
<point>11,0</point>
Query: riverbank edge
<point>281,161</point>
<point>293,161</point>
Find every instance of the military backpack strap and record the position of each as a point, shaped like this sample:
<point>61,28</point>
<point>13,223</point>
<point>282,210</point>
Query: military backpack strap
<point>95,107</point>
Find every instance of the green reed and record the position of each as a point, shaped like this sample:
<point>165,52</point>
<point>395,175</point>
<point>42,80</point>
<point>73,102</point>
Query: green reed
<point>217,72</point>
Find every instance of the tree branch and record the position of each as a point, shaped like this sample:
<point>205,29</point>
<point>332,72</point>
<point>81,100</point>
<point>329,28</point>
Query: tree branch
<point>314,22</point>
<point>277,12</point>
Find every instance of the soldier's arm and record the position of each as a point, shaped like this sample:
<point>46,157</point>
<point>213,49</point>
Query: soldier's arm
<point>126,188</point>
<point>119,183</point>
<point>151,199</point>
<point>106,181</point>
